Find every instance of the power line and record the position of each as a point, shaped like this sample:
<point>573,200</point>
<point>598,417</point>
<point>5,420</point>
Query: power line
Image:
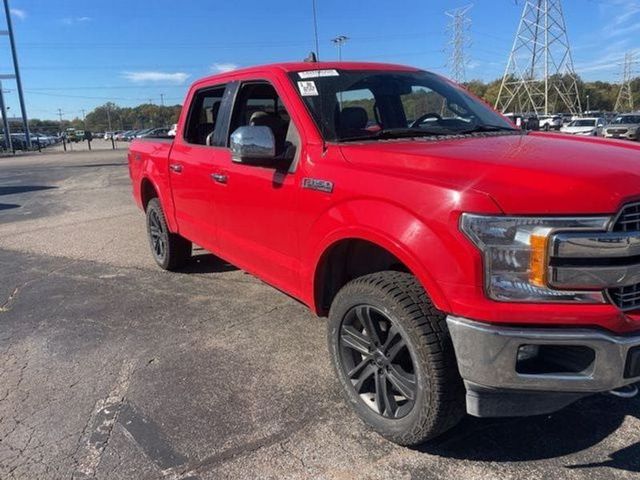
<point>458,30</point>
<point>540,75</point>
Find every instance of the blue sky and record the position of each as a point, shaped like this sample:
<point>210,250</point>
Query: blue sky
<point>77,54</point>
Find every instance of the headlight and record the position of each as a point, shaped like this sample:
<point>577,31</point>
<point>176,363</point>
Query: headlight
<point>515,255</point>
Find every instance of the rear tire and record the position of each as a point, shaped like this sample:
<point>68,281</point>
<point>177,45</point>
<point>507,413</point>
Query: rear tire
<point>412,392</point>
<point>169,250</point>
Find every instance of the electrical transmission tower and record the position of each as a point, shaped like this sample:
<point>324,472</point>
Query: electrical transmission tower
<point>540,76</point>
<point>625,97</point>
<point>458,29</point>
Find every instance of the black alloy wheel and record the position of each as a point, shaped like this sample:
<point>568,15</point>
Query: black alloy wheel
<point>170,250</point>
<point>394,359</point>
<point>158,236</point>
<point>377,360</point>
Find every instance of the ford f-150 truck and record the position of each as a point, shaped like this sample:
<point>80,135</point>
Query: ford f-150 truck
<point>464,265</point>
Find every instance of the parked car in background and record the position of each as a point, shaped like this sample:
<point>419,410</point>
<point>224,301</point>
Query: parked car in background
<point>123,136</point>
<point>131,135</point>
<point>585,126</point>
<point>140,133</point>
<point>155,133</point>
<point>108,135</point>
<point>625,126</point>
<point>550,122</point>
<point>18,141</point>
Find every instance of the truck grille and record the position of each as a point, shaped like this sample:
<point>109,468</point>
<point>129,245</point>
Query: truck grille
<point>627,298</point>
<point>629,219</point>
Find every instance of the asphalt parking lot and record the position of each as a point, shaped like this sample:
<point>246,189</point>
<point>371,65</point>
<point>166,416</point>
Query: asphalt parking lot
<point>113,369</point>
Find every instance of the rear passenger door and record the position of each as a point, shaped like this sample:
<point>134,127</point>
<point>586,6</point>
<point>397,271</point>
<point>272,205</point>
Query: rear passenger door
<point>195,156</point>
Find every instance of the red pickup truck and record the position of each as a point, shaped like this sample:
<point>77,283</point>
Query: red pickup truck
<point>465,265</point>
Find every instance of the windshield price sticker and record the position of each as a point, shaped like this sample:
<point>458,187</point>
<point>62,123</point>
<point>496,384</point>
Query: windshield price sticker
<point>318,73</point>
<point>308,89</point>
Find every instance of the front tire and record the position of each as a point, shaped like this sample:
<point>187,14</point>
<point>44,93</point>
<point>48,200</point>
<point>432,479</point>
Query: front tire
<point>170,250</point>
<point>394,358</point>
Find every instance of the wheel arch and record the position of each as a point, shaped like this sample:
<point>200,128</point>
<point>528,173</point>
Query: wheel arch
<point>147,192</point>
<point>150,189</point>
<point>354,254</point>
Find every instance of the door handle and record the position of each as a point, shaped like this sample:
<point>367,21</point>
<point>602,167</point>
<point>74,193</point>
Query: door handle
<point>219,177</point>
<point>175,167</point>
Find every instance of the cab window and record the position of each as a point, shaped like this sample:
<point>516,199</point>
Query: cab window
<point>203,115</point>
<point>258,104</point>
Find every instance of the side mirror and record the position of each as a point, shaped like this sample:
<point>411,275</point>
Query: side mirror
<point>251,144</point>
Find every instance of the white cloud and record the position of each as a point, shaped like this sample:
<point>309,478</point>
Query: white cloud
<point>75,20</point>
<point>177,78</point>
<point>223,67</point>
<point>18,13</point>
<point>622,17</point>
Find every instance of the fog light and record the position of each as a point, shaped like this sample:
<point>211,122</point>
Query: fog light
<point>527,352</point>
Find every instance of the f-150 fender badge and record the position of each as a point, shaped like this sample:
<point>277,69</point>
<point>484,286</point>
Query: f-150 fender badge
<point>316,184</point>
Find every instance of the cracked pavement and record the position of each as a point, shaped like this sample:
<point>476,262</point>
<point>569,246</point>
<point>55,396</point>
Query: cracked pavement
<point>113,369</point>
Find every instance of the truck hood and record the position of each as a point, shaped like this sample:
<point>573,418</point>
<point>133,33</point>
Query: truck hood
<point>524,174</point>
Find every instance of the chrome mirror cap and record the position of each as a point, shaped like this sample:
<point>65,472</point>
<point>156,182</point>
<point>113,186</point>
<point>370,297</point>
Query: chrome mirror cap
<point>252,143</point>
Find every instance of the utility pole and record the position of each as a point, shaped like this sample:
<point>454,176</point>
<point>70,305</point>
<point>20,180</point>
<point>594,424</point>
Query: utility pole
<point>162,99</point>
<point>315,29</point>
<point>339,41</point>
<point>458,30</point>
<point>84,120</point>
<point>5,121</point>
<point>624,102</point>
<point>109,116</point>
<point>16,74</point>
<point>540,76</point>
<point>60,116</point>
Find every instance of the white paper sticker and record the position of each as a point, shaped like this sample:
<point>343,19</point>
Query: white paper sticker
<point>318,73</point>
<point>308,89</point>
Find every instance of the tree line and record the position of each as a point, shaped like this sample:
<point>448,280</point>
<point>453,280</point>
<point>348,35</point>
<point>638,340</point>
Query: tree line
<point>602,96</point>
<point>109,117</point>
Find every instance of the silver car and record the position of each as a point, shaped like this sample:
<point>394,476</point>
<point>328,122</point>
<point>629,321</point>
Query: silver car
<point>625,126</point>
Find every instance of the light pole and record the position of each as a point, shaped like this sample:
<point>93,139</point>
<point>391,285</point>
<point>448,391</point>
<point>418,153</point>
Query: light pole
<point>338,42</point>
<point>109,117</point>
<point>5,121</point>
<point>16,68</point>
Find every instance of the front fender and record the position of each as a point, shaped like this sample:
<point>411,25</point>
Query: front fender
<point>429,252</point>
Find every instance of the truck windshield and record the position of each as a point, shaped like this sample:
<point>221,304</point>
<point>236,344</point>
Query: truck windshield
<point>349,105</point>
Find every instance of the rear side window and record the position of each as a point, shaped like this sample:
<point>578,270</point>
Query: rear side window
<point>203,115</point>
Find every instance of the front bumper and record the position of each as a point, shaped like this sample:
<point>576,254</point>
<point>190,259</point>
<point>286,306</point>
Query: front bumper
<point>578,362</point>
